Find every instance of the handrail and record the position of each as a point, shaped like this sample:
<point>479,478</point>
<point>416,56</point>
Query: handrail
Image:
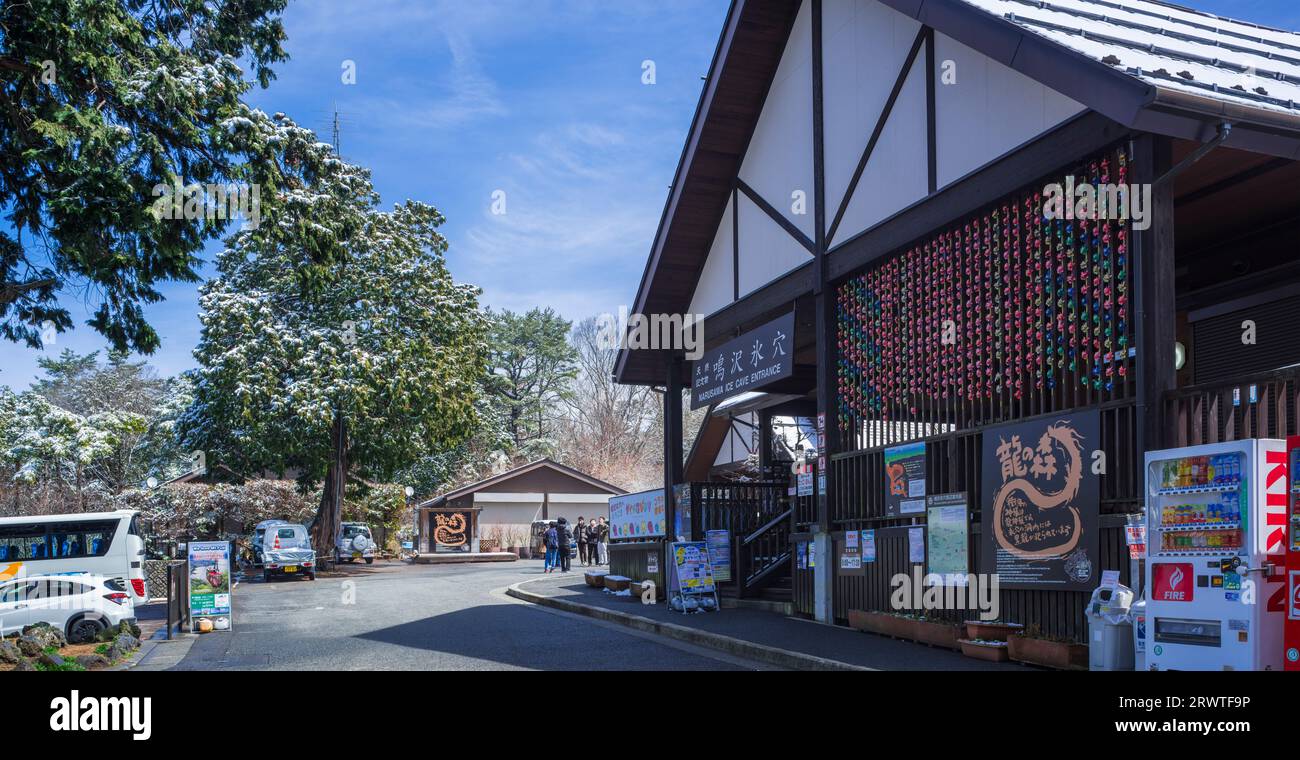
<point>770,568</point>
<point>747,540</point>
<point>1187,391</point>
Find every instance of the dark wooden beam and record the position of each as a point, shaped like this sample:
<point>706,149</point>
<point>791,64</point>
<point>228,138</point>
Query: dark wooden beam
<point>776,216</point>
<point>1153,281</point>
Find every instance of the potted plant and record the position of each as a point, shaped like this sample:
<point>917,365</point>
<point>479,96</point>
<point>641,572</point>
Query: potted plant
<point>935,631</point>
<point>991,630</point>
<point>984,649</point>
<point>1037,648</point>
<point>494,541</point>
<point>883,623</point>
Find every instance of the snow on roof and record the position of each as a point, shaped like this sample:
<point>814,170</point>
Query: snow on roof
<point>1170,47</point>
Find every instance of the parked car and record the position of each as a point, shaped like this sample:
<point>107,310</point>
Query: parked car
<point>354,543</point>
<point>286,550</point>
<point>80,604</point>
<point>259,532</point>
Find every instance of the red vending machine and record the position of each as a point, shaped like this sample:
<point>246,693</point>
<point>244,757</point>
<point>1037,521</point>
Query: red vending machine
<point>1292,630</point>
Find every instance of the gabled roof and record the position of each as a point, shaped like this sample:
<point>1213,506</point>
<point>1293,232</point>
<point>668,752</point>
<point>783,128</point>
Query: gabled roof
<point>1148,65</point>
<point>543,463</point>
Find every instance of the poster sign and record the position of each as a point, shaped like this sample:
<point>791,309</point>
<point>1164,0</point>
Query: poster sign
<point>749,362</point>
<point>850,552</point>
<point>801,555</point>
<point>916,544</point>
<point>692,568</point>
<point>905,480</point>
<point>804,483</point>
<point>719,543</point>
<point>1040,503</point>
<point>209,579</point>
<point>682,511</point>
<point>868,546</point>
<point>637,515</point>
<point>1136,538</point>
<point>948,523</point>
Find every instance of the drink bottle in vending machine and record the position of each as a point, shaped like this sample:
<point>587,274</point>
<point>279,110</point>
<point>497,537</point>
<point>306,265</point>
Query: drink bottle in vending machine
<point>1216,546</point>
<point>1292,623</point>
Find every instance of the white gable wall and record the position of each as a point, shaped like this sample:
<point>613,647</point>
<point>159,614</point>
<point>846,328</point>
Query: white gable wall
<point>989,110</point>
<point>864,45</point>
<point>779,161</point>
<point>717,286</point>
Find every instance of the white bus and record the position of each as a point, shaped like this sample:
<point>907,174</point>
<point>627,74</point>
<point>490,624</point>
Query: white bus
<point>101,543</point>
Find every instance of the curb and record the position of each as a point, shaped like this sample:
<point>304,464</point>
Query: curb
<point>782,658</point>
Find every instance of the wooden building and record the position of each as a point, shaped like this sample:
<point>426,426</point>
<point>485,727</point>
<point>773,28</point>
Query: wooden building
<point>883,170</point>
<point>501,509</point>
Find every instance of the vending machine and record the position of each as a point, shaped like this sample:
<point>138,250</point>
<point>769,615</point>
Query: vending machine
<point>1292,624</point>
<point>1216,546</point>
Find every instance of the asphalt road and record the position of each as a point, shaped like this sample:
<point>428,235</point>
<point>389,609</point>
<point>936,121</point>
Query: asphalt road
<point>426,617</point>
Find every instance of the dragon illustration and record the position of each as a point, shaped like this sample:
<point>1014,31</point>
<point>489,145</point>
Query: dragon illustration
<point>897,483</point>
<point>1065,438</point>
<point>449,530</point>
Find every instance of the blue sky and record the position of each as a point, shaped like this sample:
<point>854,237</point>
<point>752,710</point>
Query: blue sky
<point>456,100</point>
<point>541,99</point>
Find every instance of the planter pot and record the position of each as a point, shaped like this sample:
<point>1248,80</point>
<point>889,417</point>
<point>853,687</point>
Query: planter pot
<point>882,623</point>
<point>936,634</point>
<point>1051,654</point>
<point>513,550</point>
<point>976,629</point>
<point>989,652</point>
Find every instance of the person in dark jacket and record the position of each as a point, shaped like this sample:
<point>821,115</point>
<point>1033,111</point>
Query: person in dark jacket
<point>565,535</point>
<point>580,533</point>
<point>552,539</point>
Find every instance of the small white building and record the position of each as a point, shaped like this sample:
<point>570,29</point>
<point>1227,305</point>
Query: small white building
<point>500,511</point>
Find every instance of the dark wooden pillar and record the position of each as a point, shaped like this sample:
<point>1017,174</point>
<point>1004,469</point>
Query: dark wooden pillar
<point>672,442</point>
<point>764,442</point>
<point>1153,274</point>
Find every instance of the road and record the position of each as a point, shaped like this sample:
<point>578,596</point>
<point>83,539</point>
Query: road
<point>426,617</point>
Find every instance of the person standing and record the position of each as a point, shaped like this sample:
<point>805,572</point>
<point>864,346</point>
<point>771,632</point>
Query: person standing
<point>564,535</point>
<point>552,538</point>
<point>602,541</point>
<point>580,533</point>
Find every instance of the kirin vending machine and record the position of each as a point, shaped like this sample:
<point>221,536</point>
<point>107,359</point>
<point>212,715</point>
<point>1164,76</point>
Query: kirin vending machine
<point>1292,624</point>
<point>1216,547</point>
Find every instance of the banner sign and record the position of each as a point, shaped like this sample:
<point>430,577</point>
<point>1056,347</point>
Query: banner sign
<point>1040,503</point>
<point>719,543</point>
<point>637,515</point>
<point>682,511</point>
<point>749,362</point>
<point>868,546</point>
<point>948,533</point>
<point>209,583</point>
<point>905,480</point>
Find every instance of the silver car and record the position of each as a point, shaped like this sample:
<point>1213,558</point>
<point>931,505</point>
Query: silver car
<point>354,543</point>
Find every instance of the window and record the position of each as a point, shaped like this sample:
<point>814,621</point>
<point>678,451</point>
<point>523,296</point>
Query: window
<point>56,540</point>
<point>285,533</point>
<point>14,592</point>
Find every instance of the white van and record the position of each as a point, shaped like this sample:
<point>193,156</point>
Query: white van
<point>109,544</point>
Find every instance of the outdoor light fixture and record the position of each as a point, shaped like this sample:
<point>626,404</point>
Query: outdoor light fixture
<point>1180,355</point>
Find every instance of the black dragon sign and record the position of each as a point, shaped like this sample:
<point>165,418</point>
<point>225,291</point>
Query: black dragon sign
<point>1040,503</point>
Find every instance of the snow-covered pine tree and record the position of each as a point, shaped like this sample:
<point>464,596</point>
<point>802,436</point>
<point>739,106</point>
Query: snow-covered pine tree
<point>357,370</point>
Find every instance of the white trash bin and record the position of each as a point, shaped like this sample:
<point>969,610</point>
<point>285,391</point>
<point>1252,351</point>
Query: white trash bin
<point>1110,629</point>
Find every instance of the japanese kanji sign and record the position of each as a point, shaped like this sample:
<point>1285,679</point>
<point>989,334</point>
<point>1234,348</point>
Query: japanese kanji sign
<point>746,363</point>
<point>1040,508</point>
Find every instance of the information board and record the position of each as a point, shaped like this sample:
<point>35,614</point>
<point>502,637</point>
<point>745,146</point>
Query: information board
<point>719,543</point>
<point>905,480</point>
<point>637,515</point>
<point>948,533</point>
<point>209,583</point>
